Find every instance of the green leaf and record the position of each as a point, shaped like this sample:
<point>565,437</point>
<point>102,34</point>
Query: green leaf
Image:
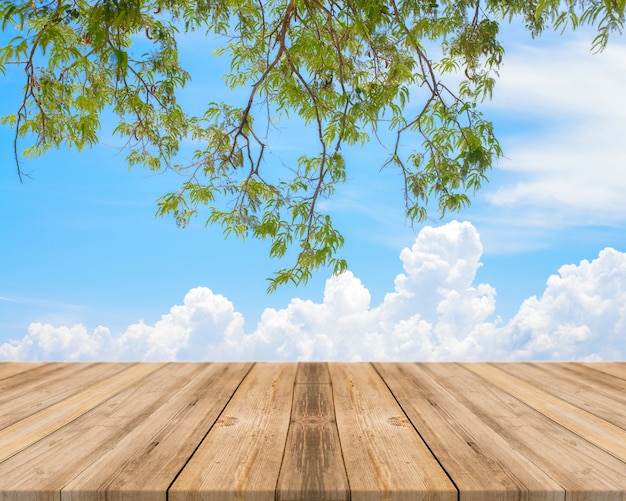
<point>346,70</point>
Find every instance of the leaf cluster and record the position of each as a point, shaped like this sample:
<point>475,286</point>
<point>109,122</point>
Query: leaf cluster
<point>346,68</point>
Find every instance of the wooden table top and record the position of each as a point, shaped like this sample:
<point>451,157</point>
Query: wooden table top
<point>312,431</point>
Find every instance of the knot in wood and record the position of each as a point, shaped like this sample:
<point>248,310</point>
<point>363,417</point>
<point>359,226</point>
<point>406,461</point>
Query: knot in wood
<point>227,421</point>
<point>312,421</point>
<point>398,421</point>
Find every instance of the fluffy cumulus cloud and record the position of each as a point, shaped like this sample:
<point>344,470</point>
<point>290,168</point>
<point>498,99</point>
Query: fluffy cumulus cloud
<point>205,326</point>
<point>436,311</point>
<point>582,313</point>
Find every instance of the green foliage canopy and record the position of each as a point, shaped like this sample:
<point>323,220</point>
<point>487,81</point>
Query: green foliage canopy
<point>346,68</point>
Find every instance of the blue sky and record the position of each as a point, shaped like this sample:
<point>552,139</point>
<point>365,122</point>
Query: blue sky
<point>88,272</point>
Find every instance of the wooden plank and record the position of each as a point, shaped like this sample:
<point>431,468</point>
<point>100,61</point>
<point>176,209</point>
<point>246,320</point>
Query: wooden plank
<point>29,430</point>
<point>596,430</point>
<point>384,456</point>
<point>591,375</point>
<point>529,431</point>
<point>19,380</point>
<point>143,464</point>
<point>43,390</point>
<point>312,466</point>
<point>585,471</point>
<point>10,369</point>
<point>482,465</point>
<point>578,385</point>
<point>40,471</point>
<point>312,373</point>
<point>616,369</point>
<point>241,456</point>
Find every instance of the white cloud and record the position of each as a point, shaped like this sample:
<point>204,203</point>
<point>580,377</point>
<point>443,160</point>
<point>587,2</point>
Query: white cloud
<point>568,162</point>
<point>582,313</point>
<point>46,342</point>
<point>435,312</point>
<point>205,326</point>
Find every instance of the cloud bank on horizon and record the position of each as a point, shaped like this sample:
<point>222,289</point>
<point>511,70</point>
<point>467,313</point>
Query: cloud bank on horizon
<point>436,312</point>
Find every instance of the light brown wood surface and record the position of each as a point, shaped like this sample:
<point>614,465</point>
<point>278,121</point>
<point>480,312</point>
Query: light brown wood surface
<point>385,457</point>
<point>241,456</point>
<point>312,431</point>
<point>312,466</point>
<point>482,463</point>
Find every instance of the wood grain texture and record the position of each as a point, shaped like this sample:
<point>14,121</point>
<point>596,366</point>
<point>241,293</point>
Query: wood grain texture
<point>9,369</point>
<point>584,470</point>
<point>384,456</point>
<point>33,428</point>
<point>616,369</point>
<point>596,430</point>
<point>483,465</point>
<point>241,456</point>
<point>154,452</point>
<point>44,468</point>
<point>589,390</point>
<point>313,431</point>
<point>312,467</point>
<point>38,389</point>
